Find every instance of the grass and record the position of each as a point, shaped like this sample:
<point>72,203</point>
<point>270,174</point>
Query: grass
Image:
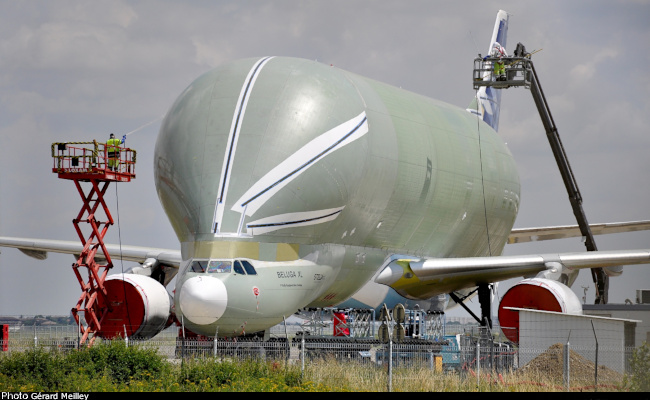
<point>365,378</point>
<point>115,367</point>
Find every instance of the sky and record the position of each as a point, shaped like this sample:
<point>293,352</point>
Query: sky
<point>79,70</point>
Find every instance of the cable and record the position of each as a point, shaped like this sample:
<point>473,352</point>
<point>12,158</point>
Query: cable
<point>480,152</point>
<point>119,231</point>
<point>119,237</point>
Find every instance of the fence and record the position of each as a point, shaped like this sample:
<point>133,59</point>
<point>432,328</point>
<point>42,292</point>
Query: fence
<point>467,355</point>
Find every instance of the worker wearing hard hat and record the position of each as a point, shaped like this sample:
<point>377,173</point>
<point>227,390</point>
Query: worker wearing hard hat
<point>499,68</point>
<point>113,150</point>
<point>498,50</point>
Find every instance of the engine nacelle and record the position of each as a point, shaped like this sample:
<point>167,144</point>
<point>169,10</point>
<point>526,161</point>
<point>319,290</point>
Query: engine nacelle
<point>614,271</point>
<point>536,294</point>
<point>138,304</point>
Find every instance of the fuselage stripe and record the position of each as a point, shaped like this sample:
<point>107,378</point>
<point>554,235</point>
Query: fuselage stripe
<point>306,164</point>
<point>233,137</point>
<point>294,222</point>
<point>237,122</point>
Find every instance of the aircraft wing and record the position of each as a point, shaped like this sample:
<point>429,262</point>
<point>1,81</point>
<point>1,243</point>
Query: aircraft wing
<point>38,248</point>
<point>424,278</point>
<point>568,231</point>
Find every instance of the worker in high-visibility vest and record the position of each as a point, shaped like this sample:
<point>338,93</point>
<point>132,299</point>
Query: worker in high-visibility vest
<point>113,150</point>
<point>499,68</point>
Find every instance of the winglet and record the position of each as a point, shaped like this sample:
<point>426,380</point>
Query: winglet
<point>487,104</point>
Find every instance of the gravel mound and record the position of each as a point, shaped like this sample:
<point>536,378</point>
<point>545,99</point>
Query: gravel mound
<point>550,365</point>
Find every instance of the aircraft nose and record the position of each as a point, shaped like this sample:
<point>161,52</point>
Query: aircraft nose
<point>203,299</point>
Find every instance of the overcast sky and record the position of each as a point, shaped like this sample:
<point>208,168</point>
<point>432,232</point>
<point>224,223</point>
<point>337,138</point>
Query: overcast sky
<point>78,70</point>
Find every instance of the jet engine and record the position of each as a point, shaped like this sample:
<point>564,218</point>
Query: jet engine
<point>138,306</point>
<point>536,294</point>
<point>614,271</point>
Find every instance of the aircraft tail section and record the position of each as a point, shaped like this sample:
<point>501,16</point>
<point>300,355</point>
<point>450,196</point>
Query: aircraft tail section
<point>500,32</point>
<point>487,103</point>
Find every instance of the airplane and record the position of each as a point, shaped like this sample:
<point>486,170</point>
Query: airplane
<point>293,185</point>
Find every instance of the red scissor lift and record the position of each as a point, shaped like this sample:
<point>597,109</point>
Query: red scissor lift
<point>89,162</point>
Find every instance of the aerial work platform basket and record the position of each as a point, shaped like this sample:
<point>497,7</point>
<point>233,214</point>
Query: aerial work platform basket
<point>517,72</point>
<point>86,160</point>
<point>520,71</point>
<point>100,165</point>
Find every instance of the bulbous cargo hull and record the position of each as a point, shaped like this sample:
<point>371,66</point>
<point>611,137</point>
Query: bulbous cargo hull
<point>269,159</point>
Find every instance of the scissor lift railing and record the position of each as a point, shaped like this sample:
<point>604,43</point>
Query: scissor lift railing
<point>89,162</point>
<point>85,160</point>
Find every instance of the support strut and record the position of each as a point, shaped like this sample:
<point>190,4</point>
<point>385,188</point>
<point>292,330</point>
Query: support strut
<point>485,301</point>
<point>93,300</point>
<point>575,198</point>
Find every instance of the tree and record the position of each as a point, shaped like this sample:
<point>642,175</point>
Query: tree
<point>640,367</point>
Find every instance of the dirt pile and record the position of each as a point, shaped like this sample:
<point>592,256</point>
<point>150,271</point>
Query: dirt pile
<point>550,365</point>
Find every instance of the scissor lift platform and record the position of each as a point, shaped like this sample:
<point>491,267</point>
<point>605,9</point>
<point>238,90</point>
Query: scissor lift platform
<point>90,162</point>
<point>84,161</point>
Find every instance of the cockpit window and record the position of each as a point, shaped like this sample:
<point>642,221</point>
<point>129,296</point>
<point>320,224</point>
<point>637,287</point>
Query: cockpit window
<point>198,265</point>
<point>218,266</point>
<point>238,268</point>
<point>250,270</point>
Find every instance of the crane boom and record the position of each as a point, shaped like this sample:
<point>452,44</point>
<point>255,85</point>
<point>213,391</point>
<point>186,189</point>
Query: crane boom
<point>520,71</point>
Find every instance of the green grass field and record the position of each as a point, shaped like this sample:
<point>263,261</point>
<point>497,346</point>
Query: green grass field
<point>116,367</point>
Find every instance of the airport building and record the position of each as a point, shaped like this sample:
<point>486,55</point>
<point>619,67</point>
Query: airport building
<point>639,310</point>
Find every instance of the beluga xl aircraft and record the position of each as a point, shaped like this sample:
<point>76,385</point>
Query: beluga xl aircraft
<point>293,185</point>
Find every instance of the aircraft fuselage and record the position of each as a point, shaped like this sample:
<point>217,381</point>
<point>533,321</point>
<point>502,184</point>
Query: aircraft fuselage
<point>316,176</point>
